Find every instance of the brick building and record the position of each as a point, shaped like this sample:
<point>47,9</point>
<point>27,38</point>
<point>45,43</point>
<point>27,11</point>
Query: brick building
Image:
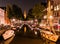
<point>3,16</point>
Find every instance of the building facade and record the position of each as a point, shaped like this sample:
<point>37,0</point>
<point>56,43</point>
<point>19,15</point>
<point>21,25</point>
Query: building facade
<point>3,16</point>
<point>56,4</point>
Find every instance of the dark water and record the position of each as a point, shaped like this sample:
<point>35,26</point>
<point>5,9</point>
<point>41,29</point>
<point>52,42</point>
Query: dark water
<point>27,38</point>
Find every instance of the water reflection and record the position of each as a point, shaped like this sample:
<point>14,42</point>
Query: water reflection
<point>23,39</point>
<point>27,41</point>
<point>18,39</point>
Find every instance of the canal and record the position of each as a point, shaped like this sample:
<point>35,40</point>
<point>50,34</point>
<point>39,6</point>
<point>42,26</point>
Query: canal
<point>27,37</point>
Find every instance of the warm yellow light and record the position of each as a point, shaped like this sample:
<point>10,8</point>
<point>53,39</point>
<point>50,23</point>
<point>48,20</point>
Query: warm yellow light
<point>35,32</point>
<point>45,17</point>
<point>13,19</point>
<point>51,17</point>
<point>56,8</point>
<point>24,29</point>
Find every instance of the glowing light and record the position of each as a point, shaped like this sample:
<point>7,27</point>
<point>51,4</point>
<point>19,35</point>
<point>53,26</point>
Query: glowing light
<point>24,29</point>
<point>45,17</point>
<point>35,32</point>
<point>13,19</point>
<point>56,8</point>
<point>51,17</point>
<point>31,21</point>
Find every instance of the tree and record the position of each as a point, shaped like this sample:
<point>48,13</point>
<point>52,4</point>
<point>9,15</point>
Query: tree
<point>9,11</point>
<point>14,11</point>
<point>30,16</point>
<point>17,12</point>
<point>37,11</point>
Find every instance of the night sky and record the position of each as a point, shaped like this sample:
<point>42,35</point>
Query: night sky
<point>24,4</point>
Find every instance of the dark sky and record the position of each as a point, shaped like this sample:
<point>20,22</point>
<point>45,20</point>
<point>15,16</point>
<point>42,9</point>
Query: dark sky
<point>24,4</point>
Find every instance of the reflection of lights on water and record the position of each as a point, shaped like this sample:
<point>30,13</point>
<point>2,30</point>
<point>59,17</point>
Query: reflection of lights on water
<point>31,28</point>
<point>24,29</point>
<point>35,32</point>
<point>20,27</point>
